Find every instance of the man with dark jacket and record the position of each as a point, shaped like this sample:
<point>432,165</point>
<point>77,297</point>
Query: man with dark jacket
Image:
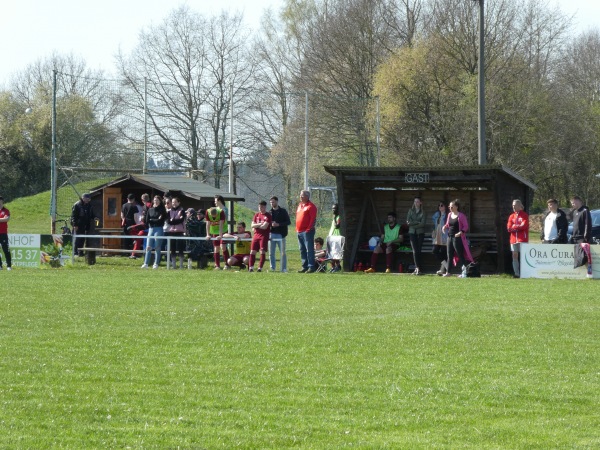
<point>582,222</point>
<point>554,224</point>
<point>82,217</point>
<point>279,230</point>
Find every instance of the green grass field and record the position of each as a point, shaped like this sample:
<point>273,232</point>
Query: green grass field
<point>110,356</point>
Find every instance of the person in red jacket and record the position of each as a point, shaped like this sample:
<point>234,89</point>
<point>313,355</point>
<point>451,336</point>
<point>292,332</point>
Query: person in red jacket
<point>518,228</point>
<point>4,218</point>
<point>306,216</point>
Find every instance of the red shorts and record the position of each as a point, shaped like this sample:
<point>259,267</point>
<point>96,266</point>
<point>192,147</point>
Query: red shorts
<point>240,258</point>
<point>260,243</point>
<point>217,242</point>
<point>394,247</point>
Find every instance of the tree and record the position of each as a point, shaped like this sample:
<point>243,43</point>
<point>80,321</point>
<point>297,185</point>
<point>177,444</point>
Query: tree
<point>26,131</point>
<point>273,123</point>
<point>429,90</point>
<point>190,64</point>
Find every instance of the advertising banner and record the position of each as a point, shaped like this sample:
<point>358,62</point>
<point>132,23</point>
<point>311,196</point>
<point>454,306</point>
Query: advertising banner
<point>556,261</point>
<point>24,250</point>
<point>35,250</point>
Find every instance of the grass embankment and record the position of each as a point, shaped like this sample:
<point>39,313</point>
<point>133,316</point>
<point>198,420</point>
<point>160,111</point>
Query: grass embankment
<point>119,357</point>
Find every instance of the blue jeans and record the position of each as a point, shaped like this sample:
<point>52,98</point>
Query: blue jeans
<point>152,243</point>
<point>273,247</point>
<point>306,242</point>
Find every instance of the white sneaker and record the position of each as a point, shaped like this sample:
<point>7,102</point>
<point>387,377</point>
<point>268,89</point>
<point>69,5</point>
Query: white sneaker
<point>144,266</point>
<point>9,268</point>
<point>155,266</point>
<point>217,268</point>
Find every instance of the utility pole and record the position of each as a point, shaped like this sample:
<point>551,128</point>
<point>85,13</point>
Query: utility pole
<point>481,88</point>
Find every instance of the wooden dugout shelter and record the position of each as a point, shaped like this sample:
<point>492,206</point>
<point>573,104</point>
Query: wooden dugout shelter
<point>367,194</point>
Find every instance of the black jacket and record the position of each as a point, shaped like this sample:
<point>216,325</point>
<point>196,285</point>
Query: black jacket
<point>155,217</point>
<point>281,216</point>
<point>562,225</point>
<point>582,226</point>
<point>82,215</point>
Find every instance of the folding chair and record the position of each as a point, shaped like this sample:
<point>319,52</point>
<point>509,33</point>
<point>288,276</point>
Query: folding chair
<point>335,248</point>
<point>321,264</point>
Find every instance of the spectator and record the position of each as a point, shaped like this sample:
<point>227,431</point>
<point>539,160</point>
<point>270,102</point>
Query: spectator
<point>168,203</point>
<point>4,218</point>
<point>554,224</point>
<point>216,220</point>
<point>439,237</point>
<point>176,228</point>
<point>129,212</point>
<point>279,231</point>
<point>206,246</point>
<point>582,222</point>
<point>155,218</point>
<point>320,252</point>
<point>82,217</point>
<point>139,229</point>
<point>457,226</point>
<point>146,203</point>
<point>261,224</point>
<point>518,227</point>
<point>388,242</point>
<point>306,217</point>
<point>334,230</point>
<point>416,220</point>
<point>241,255</point>
<point>192,229</point>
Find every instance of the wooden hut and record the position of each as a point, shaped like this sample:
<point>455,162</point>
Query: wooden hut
<point>367,194</point>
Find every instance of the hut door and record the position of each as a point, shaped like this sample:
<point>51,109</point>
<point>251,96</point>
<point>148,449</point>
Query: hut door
<point>111,208</point>
<point>111,212</point>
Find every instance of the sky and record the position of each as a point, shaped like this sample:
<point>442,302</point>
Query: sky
<point>31,30</point>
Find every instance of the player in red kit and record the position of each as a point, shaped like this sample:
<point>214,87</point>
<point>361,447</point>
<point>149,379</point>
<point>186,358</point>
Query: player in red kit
<point>261,224</point>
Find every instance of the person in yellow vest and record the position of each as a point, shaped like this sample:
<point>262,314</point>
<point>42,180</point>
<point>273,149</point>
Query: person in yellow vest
<point>242,247</point>
<point>389,241</point>
<point>216,219</point>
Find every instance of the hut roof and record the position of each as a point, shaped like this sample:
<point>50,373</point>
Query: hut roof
<point>173,183</point>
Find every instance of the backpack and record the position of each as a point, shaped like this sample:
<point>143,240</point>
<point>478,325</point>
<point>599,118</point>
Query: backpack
<point>473,270</point>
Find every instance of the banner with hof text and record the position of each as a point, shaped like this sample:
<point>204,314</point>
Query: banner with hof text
<point>556,261</point>
<point>35,250</point>
<point>24,250</point>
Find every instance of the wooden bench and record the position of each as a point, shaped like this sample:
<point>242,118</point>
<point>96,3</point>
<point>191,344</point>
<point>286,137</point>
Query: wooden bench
<point>481,244</point>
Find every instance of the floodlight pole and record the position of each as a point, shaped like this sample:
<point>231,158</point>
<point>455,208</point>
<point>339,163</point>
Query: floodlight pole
<point>481,88</point>
<point>145,166</point>
<point>306,141</point>
<point>231,144</point>
<point>53,171</point>
<point>230,218</point>
<point>378,130</point>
